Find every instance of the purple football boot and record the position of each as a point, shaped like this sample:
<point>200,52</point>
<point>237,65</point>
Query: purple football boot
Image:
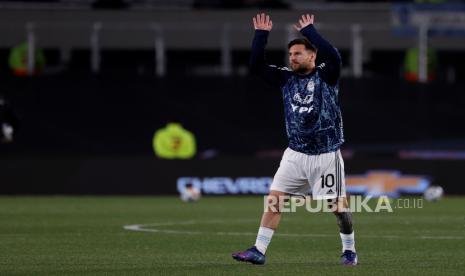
<point>349,258</point>
<point>251,255</point>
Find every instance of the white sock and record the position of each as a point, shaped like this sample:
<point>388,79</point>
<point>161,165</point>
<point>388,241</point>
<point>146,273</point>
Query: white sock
<point>348,242</point>
<point>263,239</point>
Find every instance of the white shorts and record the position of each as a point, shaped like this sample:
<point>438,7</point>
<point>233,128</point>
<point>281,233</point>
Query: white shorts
<point>300,174</point>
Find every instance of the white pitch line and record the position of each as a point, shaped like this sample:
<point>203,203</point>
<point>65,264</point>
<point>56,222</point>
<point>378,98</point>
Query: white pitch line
<point>143,228</point>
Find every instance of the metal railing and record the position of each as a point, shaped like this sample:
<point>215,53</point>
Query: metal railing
<point>158,30</point>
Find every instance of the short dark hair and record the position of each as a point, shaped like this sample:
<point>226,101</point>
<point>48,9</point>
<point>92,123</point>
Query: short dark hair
<point>303,41</point>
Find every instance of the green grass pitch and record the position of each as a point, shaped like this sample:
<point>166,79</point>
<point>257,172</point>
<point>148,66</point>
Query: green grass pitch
<point>85,236</point>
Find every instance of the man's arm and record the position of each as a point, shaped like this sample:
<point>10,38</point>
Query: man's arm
<point>326,52</point>
<point>258,65</point>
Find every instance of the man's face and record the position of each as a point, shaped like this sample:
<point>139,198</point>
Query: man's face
<point>301,60</point>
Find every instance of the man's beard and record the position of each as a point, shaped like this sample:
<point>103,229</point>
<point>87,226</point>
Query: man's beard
<point>299,68</point>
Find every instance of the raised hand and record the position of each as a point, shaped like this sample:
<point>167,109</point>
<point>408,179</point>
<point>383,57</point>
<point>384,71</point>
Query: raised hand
<point>262,22</point>
<point>304,21</point>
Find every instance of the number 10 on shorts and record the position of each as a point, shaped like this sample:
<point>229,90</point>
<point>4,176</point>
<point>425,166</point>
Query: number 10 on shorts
<point>327,181</point>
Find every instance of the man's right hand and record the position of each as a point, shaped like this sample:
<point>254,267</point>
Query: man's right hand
<point>262,22</point>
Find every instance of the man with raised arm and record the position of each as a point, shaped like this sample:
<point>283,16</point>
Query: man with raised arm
<point>312,161</point>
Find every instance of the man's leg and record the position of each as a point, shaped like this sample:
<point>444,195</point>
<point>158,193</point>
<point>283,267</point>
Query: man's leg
<point>344,221</point>
<point>270,221</point>
<point>289,179</point>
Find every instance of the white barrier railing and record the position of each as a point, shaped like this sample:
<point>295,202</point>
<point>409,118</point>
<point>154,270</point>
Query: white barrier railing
<point>159,44</point>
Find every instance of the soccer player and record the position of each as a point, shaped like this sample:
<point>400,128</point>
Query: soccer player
<point>312,160</point>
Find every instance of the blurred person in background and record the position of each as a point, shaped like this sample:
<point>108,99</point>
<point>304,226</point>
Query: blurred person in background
<point>313,118</point>
<point>8,121</point>
<point>411,64</point>
<point>18,60</point>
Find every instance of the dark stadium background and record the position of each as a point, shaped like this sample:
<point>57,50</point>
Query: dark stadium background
<point>83,193</point>
<point>87,128</point>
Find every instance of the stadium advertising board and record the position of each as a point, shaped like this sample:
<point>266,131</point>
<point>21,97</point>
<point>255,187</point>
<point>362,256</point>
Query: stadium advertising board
<point>441,19</point>
<point>373,183</point>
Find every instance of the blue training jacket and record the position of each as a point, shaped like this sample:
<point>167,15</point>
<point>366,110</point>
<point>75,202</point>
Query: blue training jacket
<point>311,106</point>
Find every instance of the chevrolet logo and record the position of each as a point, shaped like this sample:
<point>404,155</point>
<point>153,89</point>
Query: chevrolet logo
<point>388,183</point>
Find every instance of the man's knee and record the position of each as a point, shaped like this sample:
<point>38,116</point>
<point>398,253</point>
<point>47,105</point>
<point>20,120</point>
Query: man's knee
<point>338,205</point>
<point>275,201</point>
